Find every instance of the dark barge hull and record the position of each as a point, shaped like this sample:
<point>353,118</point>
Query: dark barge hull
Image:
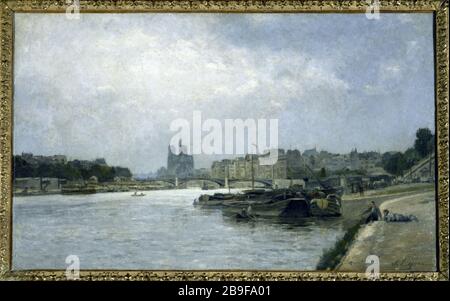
<point>295,207</point>
<point>282,203</point>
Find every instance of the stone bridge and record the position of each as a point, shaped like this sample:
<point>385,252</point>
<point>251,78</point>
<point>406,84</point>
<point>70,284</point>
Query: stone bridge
<point>211,182</point>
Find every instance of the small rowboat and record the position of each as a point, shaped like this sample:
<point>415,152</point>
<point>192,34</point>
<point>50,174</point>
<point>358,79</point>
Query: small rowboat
<point>136,194</point>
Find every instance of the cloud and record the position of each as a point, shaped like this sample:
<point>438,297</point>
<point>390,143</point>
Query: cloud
<point>109,85</point>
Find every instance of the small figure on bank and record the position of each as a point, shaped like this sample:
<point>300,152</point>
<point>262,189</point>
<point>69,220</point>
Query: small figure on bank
<point>397,217</point>
<point>374,213</point>
<point>361,190</point>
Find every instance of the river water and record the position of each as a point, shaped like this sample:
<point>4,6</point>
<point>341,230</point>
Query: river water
<point>161,230</point>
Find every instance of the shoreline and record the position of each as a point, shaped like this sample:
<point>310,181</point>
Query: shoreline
<point>370,194</point>
<point>81,193</point>
<point>360,240</point>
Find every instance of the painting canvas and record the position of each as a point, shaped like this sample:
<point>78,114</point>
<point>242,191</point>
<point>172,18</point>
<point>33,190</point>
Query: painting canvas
<point>221,141</point>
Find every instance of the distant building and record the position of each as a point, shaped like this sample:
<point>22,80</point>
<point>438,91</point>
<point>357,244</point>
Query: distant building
<point>35,160</point>
<point>337,162</point>
<point>219,169</point>
<point>201,173</point>
<point>100,161</point>
<point>59,159</point>
<point>240,170</point>
<point>292,164</point>
<point>180,165</point>
<point>288,165</point>
<point>310,152</point>
<point>84,164</point>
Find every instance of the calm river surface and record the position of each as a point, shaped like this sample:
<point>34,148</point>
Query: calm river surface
<point>161,230</point>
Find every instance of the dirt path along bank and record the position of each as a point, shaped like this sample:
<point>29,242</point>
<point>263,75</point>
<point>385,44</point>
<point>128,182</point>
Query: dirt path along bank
<point>401,246</point>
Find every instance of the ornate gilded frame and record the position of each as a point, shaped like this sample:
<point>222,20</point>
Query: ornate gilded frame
<point>9,8</point>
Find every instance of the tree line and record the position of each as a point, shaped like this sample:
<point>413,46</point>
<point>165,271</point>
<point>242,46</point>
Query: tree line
<point>397,163</point>
<point>71,170</point>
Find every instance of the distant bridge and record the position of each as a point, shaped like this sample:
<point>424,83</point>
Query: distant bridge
<point>219,182</point>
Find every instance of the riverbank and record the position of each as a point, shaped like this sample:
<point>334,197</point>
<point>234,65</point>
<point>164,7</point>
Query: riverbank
<point>392,190</point>
<point>401,246</point>
<point>99,189</point>
<point>353,207</point>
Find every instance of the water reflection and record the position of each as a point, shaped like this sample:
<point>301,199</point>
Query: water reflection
<point>161,230</point>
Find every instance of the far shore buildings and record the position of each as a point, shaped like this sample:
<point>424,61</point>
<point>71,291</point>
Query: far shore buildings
<point>367,161</point>
<point>87,164</point>
<point>56,159</point>
<point>350,171</point>
<point>288,165</point>
<point>292,164</point>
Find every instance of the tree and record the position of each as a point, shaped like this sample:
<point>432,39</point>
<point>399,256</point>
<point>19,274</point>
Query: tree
<point>121,172</point>
<point>72,170</point>
<point>394,163</point>
<point>22,169</point>
<point>431,145</point>
<point>323,173</point>
<point>312,161</point>
<point>70,173</point>
<point>102,172</point>
<point>45,170</point>
<point>424,143</point>
<point>412,157</point>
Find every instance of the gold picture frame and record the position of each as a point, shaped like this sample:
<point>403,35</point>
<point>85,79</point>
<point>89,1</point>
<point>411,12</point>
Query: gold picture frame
<point>9,8</point>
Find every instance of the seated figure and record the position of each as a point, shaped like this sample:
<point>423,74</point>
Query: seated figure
<point>374,213</point>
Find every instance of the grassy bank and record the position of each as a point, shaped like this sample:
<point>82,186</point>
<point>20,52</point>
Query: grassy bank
<point>405,188</point>
<point>392,190</point>
<point>353,207</point>
<point>331,258</point>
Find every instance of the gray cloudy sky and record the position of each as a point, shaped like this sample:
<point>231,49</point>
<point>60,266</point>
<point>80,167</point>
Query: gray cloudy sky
<point>108,85</point>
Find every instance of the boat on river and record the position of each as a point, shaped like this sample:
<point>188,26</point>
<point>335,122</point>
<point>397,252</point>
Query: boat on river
<point>215,200</point>
<point>276,202</point>
<point>288,202</point>
<point>136,194</point>
<point>291,207</point>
